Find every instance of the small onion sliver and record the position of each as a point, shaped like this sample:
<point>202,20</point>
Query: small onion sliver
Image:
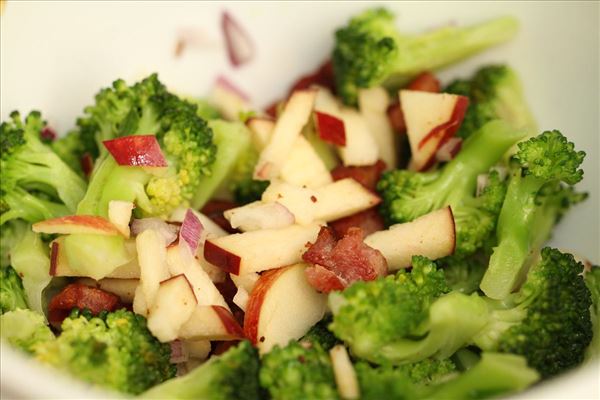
<point>179,353</point>
<point>191,230</point>
<point>449,149</point>
<point>169,232</point>
<point>240,47</point>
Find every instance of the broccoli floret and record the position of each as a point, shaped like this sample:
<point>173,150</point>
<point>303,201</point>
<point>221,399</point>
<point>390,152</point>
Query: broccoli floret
<point>298,371</point>
<point>377,319</point>
<point>232,375</point>
<point>35,184</point>
<point>592,280</point>
<point>321,335</point>
<point>114,350</point>
<point>407,195</point>
<point>185,139</point>
<point>494,92</point>
<point>12,294</point>
<point>72,147</point>
<point>10,234</point>
<point>548,321</point>
<point>534,202</point>
<point>244,188</point>
<point>463,274</point>
<point>370,51</point>
<point>25,329</point>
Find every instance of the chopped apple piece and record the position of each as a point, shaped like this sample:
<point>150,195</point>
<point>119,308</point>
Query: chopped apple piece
<point>139,302</point>
<point>341,199</point>
<point>287,128</point>
<point>274,314</point>
<point>152,256</point>
<point>198,349</point>
<point>211,323</point>
<point>373,104</point>
<point>119,214</point>
<point>124,288</point>
<point>344,373</point>
<point>84,224</point>
<point>300,201</point>
<point>246,281</point>
<point>431,235</point>
<point>241,298</point>
<point>216,274</point>
<point>431,119</point>
<point>261,129</point>
<point>260,250</point>
<point>330,128</point>
<point>174,304</point>
<point>259,215</point>
<point>304,167</point>
<point>361,148</point>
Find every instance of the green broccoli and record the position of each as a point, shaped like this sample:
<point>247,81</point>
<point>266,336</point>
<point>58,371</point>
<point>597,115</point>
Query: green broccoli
<point>535,201</point>
<point>185,139</point>
<point>72,147</point>
<point>494,92</point>
<point>548,321</point>
<point>12,295</point>
<point>35,184</point>
<point>10,234</point>
<point>114,350</point>
<point>370,51</point>
<point>592,280</point>
<point>244,188</point>
<point>463,274</point>
<point>321,335</point>
<point>407,195</point>
<point>25,329</point>
<point>232,375</point>
<point>381,320</point>
<point>298,371</point>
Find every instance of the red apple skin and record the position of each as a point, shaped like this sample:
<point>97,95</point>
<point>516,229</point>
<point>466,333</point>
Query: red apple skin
<point>53,258</point>
<point>255,302</point>
<point>186,280</point>
<point>71,223</point>
<point>425,82</point>
<point>136,150</point>
<point>229,322</point>
<point>453,229</point>
<point>222,258</point>
<point>331,129</point>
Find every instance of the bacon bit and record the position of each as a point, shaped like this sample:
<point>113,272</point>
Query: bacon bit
<point>368,176</point>
<point>87,164</point>
<point>369,221</point>
<point>425,82</point>
<point>239,45</point>
<point>48,134</point>
<point>77,295</point>
<point>221,347</point>
<point>396,118</point>
<point>214,210</point>
<point>337,264</point>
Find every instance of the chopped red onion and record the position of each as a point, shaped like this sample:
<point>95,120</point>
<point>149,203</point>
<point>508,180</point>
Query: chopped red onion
<point>227,85</point>
<point>239,45</point>
<point>190,230</point>
<point>168,231</point>
<point>179,352</point>
<point>449,149</point>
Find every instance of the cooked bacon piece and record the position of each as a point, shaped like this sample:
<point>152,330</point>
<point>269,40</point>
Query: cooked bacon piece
<point>366,176</point>
<point>396,118</point>
<point>77,295</point>
<point>369,221</point>
<point>220,347</point>
<point>425,82</point>
<point>348,260</point>
<point>213,209</point>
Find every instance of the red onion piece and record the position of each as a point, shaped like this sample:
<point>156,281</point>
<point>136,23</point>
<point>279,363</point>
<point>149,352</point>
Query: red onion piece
<point>239,45</point>
<point>136,150</point>
<point>48,134</point>
<point>449,149</point>
<point>227,85</point>
<point>169,232</point>
<point>178,352</point>
<point>190,231</point>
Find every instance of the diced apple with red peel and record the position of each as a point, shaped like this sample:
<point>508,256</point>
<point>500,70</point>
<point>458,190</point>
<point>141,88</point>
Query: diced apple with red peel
<point>152,257</point>
<point>299,201</point>
<point>84,224</point>
<point>287,128</point>
<point>341,199</point>
<point>330,128</point>
<point>241,298</point>
<point>431,119</point>
<point>304,167</point>
<point>124,288</point>
<point>119,214</point>
<point>211,323</point>
<point>431,235</point>
<point>361,148</point>
<point>259,215</point>
<point>242,253</point>
<point>229,100</point>
<point>245,284</point>
<point>260,131</point>
<point>274,314</point>
<point>373,104</point>
<point>172,307</point>
<point>205,290</point>
<point>344,373</point>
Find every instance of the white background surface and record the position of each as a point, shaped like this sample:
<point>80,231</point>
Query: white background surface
<point>54,56</point>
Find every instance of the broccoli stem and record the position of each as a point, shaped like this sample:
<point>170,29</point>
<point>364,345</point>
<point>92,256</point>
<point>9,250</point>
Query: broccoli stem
<point>448,45</point>
<point>28,207</point>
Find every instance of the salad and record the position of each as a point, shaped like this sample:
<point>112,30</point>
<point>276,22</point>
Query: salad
<point>372,234</point>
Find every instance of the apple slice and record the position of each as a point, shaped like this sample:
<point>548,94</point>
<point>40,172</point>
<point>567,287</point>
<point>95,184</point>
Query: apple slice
<point>300,201</point>
<point>431,119</point>
<point>84,224</point>
<point>373,104</point>
<point>330,128</point>
<point>259,215</point>
<point>341,199</point>
<point>119,214</point>
<point>361,148</point>
<point>124,288</point>
<point>287,128</point>
<point>174,304</point>
<point>152,257</point>
<point>282,307</point>
<point>241,298</point>
<point>344,373</point>
<point>229,100</point>
<point>139,305</point>
<point>256,251</point>
<point>211,323</point>
<point>431,235</point>
<point>136,151</point>
<point>304,167</point>
<point>261,129</point>
<point>245,284</point>
<point>205,290</point>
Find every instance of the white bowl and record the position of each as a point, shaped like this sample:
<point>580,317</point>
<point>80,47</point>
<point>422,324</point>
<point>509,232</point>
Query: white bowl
<point>56,55</point>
